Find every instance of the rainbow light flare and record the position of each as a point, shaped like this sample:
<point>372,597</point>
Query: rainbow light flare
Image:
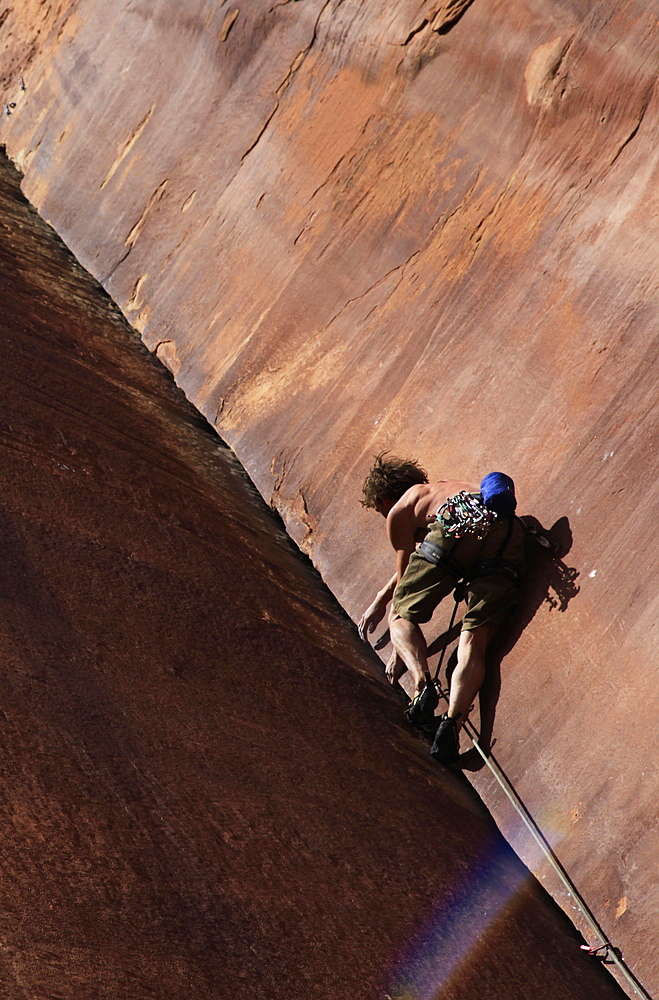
<point>459,922</point>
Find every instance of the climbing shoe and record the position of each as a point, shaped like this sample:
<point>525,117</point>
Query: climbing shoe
<point>421,710</point>
<point>446,748</point>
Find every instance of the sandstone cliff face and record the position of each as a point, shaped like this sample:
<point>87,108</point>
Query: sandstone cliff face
<point>346,227</point>
<point>206,791</point>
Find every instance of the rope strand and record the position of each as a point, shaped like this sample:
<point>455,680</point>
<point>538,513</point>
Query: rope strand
<point>612,954</point>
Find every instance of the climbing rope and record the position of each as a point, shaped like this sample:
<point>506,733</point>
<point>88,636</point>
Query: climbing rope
<point>605,951</point>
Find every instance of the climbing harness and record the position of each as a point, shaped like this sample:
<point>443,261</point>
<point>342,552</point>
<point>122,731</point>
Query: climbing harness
<point>439,555</point>
<point>497,564</point>
<point>445,556</point>
<point>466,514</point>
<point>421,710</point>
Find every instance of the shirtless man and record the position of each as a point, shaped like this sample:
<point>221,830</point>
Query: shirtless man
<point>399,490</point>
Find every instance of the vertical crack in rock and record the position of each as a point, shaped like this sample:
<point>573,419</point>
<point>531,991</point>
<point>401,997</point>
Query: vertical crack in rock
<point>295,65</point>
<point>641,116</point>
<point>139,225</point>
<point>337,235</point>
<point>441,20</point>
<point>378,281</point>
<point>278,469</point>
<point>219,411</point>
<point>288,506</point>
<point>302,511</point>
<point>188,201</point>
<point>415,31</point>
<point>444,220</point>
<point>479,232</point>
<point>339,162</point>
<point>292,70</point>
<point>283,3</point>
<point>292,508</point>
<point>126,147</point>
<point>320,187</point>
<point>260,134</point>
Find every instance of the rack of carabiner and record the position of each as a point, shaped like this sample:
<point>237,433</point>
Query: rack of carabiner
<point>466,514</point>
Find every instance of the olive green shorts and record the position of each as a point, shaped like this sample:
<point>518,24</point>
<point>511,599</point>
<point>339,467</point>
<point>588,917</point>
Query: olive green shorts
<point>424,584</point>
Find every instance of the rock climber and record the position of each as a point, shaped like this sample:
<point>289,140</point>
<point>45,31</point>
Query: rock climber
<point>489,567</point>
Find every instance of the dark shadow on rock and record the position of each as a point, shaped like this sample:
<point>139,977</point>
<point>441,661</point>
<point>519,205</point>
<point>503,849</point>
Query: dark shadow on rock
<point>452,19</point>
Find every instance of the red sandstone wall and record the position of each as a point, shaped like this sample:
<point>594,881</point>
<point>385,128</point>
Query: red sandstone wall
<point>205,790</point>
<point>348,227</point>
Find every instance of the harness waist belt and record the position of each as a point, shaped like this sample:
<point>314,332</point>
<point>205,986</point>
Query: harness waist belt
<point>438,555</point>
<point>500,566</point>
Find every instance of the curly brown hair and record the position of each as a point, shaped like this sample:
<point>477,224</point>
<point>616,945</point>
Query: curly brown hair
<point>389,478</point>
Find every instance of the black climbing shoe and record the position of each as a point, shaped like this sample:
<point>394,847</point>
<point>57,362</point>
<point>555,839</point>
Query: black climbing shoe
<point>446,748</point>
<point>421,711</point>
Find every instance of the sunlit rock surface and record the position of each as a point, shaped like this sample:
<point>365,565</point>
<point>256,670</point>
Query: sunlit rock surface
<point>432,228</point>
<point>206,790</point>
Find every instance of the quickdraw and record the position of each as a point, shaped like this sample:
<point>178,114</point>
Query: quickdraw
<point>604,952</point>
<point>466,514</point>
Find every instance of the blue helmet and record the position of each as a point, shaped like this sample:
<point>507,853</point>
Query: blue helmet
<point>498,492</point>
